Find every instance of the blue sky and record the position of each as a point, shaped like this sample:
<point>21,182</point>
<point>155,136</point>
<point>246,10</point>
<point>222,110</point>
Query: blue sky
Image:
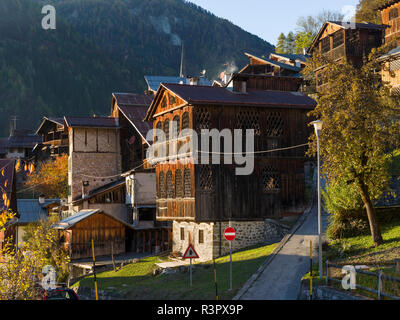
<point>268,18</point>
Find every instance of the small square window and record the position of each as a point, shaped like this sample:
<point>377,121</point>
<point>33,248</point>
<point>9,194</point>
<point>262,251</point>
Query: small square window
<point>201,236</point>
<point>182,234</point>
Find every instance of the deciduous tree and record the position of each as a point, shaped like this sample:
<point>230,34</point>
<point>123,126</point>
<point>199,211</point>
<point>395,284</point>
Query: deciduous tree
<point>361,128</point>
<point>51,178</point>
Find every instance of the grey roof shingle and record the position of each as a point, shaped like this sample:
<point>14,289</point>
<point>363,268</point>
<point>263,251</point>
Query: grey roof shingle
<point>94,122</point>
<point>30,210</point>
<point>154,82</point>
<point>222,96</point>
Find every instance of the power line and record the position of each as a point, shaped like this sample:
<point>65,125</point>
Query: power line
<point>256,152</point>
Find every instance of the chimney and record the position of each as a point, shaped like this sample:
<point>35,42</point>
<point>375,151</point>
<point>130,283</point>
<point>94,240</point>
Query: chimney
<point>193,81</point>
<point>240,86</point>
<point>42,199</point>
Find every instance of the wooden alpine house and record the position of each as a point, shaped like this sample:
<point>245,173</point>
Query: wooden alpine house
<point>200,197</point>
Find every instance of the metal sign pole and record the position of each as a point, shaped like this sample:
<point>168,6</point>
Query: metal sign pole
<point>190,272</point>
<point>94,271</point>
<point>230,253</point>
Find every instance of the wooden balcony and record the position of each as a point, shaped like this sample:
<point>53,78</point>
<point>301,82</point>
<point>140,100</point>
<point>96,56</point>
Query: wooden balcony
<point>336,53</point>
<point>175,209</point>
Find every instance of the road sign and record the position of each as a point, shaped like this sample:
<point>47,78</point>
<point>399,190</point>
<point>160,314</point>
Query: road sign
<point>230,234</point>
<point>190,253</point>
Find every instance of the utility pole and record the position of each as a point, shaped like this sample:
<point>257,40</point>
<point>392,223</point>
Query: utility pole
<point>181,70</point>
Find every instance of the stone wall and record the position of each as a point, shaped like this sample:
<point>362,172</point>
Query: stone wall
<point>94,152</point>
<point>248,233</point>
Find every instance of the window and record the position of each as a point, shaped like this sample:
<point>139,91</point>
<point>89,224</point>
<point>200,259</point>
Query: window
<point>338,38</point>
<point>176,127</point>
<point>182,234</point>
<point>161,186</point>
<point>166,129</point>
<point>203,119</point>
<point>206,178</point>
<point>270,179</point>
<point>187,183</point>
<point>248,119</point>
<point>275,125</point>
<point>185,121</point>
<point>178,184</point>
<point>164,102</point>
<point>201,236</point>
<point>325,44</point>
<point>170,185</point>
<point>393,13</point>
<point>172,100</point>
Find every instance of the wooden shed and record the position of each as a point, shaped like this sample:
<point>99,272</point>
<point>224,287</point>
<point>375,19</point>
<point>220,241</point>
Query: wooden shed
<point>107,232</point>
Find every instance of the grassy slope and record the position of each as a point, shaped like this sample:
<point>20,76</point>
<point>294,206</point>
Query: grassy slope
<point>359,251</point>
<point>135,281</point>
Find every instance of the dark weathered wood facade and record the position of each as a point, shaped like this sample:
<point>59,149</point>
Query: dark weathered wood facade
<point>338,42</point>
<point>201,192</point>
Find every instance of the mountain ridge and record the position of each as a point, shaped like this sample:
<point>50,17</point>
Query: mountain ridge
<point>102,46</point>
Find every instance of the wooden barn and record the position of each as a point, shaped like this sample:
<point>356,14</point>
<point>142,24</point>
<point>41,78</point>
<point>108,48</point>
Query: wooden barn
<point>107,232</point>
<point>198,197</point>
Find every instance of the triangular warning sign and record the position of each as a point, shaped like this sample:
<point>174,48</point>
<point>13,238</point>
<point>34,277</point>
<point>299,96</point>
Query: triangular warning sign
<point>190,253</point>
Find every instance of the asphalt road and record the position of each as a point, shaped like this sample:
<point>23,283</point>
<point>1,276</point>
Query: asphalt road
<point>281,278</point>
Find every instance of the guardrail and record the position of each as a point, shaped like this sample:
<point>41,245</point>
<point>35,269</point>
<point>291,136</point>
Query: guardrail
<point>381,278</point>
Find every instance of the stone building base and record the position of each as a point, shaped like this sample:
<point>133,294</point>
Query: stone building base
<point>209,241</point>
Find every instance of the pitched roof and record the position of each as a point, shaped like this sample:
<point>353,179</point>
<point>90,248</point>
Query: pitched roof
<point>217,96</point>
<point>30,210</point>
<point>361,25</point>
<point>154,82</point>
<point>106,187</point>
<point>80,216</point>
<point>392,53</point>
<point>133,99</point>
<point>275,63</point>
<point>59,121</point>
<point>343,25</point>
<point>9,172</point>
<point>92,122</point>
<point>134,108</point>
<point>24,140</point>
<point>295,57</point>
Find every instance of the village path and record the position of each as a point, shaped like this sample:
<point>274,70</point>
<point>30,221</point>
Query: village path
<point>280,280</point>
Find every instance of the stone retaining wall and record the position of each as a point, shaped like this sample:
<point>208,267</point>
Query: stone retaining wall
<point>248,233</point>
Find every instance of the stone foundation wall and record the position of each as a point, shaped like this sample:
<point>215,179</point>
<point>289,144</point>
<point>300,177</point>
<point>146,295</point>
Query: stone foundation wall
<point>248,233</point>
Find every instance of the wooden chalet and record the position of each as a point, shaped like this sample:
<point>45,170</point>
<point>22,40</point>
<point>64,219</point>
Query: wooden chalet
<point>339,42</point>
<point>268,66</point>
<point>54,139</point>
<point>202,194</point>
<point>391,73</point>
<point>130,109</point>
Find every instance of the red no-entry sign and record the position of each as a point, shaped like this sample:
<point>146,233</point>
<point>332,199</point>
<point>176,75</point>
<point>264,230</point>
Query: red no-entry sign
<point>230,234</point>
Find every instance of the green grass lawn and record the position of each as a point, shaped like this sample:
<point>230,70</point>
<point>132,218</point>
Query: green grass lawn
<point>136,281</point>
<point>359,251</point>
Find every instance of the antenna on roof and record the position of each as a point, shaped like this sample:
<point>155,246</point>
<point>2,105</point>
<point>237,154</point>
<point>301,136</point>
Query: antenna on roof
<point>13,126</point>
<point>181,70</point>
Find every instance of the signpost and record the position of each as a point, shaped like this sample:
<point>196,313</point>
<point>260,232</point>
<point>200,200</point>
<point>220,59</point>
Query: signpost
<point>190,253</point>
<point>230,235</point>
